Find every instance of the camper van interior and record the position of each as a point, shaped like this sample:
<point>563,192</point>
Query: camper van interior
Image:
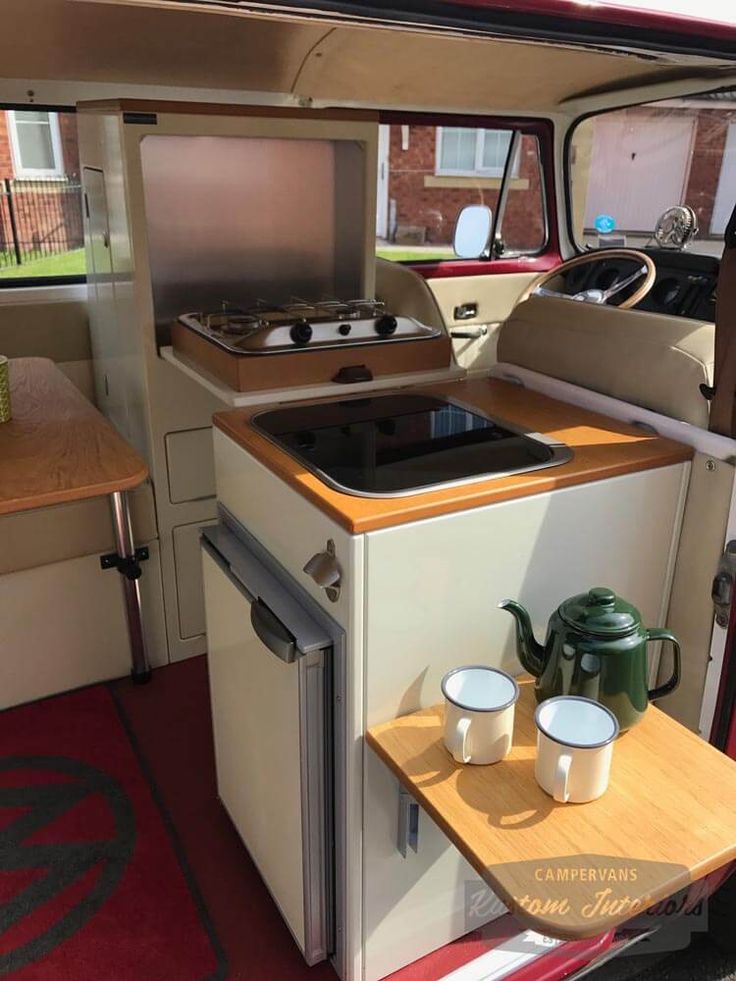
<point>366,594</point>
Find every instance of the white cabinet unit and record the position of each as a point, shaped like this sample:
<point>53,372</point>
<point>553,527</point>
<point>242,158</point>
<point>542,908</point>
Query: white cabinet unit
<point>417,600</point>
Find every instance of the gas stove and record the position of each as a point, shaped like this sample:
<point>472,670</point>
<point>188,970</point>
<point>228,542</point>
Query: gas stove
<point>302,326</point>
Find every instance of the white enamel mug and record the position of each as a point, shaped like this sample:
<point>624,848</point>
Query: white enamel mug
<point>479,713</point>
<point>575,739</point>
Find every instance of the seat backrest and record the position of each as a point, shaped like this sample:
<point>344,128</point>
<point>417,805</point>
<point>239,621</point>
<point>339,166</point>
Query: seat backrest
<point>647,359</point>
<point>406,292</point>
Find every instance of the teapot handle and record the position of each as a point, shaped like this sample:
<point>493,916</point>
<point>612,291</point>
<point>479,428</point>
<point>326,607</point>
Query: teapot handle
<point>668,686</point>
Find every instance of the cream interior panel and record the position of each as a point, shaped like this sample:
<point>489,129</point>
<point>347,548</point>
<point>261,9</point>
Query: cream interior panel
<point>538,550</point>
<point>268,52</point>
<point>255,716</point>
<point>189,589</point>
<point>646,359</point>
<point>191,465</point>
<point>495,297</point>
<point>691,610</point>
<point>64,626</point>
<point>66,531</point>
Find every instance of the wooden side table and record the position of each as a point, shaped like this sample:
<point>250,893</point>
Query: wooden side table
<point>58,448</point>
<point>667,820</point>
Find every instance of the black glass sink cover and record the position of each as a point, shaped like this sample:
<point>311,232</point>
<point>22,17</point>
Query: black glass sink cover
<point>391,445</point>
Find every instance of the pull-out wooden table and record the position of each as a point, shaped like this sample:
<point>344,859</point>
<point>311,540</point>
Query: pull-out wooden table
<point>58,448</point>
<point>571,871</point>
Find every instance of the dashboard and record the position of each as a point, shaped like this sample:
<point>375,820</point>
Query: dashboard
<point>685,285</point>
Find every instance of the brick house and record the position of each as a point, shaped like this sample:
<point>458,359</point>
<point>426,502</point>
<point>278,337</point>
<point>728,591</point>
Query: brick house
<point>40,202</point>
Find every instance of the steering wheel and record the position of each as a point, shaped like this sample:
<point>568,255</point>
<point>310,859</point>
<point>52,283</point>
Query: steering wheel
<point>645,268</point>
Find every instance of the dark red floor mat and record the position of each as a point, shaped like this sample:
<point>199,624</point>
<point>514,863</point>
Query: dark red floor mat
<point>170,719</point>
<point>91,883</point>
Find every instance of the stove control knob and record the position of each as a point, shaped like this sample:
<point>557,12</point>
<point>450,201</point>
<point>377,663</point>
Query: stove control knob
<point>301,332</point>
<point>344,329</point>
<point>386,325</point>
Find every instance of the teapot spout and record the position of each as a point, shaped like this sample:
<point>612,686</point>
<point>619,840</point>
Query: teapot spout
<point>531,653</point>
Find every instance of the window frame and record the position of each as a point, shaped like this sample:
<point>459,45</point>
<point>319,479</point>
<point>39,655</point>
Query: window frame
<point>10,283</point>
<point>479,170</point>
<point>35,173</point>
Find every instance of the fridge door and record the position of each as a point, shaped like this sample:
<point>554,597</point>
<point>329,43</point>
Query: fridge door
<point>269,668</point>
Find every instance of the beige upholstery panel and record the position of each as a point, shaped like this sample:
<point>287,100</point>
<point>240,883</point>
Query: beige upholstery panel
<point>691,611</point>
<point>495,297</point>
<point>36,538</point>
<point>81,374</point>
<point>406,292</point>
<point>647,359</point>
<point>64,626</point>
<point>58,330</point>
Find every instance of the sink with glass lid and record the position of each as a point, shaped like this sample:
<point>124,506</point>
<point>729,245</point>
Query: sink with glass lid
<point>399,444</point>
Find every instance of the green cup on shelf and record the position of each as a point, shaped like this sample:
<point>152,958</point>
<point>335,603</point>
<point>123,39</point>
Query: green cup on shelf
<point>5,413</point>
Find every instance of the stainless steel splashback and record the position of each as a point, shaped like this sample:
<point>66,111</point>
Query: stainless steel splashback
<point>245,219</point>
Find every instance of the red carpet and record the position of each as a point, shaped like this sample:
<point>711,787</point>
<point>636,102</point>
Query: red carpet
<point>118,862</point>
<point>91,885</point>
<point>170,719</point>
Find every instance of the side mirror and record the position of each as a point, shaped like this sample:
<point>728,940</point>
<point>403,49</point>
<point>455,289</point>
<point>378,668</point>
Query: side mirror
<point>473,228</point>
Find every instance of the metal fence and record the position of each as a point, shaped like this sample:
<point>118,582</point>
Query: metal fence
<point>39,218</point>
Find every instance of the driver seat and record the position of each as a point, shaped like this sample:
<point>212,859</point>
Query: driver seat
<point>648,359</point>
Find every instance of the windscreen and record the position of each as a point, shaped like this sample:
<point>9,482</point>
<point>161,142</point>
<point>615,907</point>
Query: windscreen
<point>660,174</point>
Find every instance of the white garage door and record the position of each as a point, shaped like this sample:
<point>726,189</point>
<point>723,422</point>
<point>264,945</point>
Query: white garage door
<point>639,167</point>
<point>726,193</point>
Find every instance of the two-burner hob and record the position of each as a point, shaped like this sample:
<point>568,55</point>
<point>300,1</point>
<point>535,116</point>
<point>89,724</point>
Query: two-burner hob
<point>301,325</point>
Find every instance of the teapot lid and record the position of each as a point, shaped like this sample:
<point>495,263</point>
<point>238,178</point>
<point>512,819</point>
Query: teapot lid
<point>600,611</point>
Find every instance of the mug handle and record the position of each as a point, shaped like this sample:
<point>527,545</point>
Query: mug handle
<point>668,686</point>
<point>560,790</point>
<point>459,741</point>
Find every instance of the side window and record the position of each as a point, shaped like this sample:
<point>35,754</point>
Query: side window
<point>41,229</point>
<point>427,174</point>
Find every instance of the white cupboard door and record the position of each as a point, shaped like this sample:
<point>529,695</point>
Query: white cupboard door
<point>255,715</point>
<point>432,594</point>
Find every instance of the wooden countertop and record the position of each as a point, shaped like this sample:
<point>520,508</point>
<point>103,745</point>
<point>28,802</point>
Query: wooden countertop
<point>58,447</point>
<point>668,818</point>
<point>602,448</point>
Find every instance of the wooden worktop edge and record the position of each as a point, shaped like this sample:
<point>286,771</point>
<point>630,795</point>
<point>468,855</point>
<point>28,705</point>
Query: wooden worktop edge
<point>416,507</point>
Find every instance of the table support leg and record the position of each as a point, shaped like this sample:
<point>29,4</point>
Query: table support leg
<point>130,571</point>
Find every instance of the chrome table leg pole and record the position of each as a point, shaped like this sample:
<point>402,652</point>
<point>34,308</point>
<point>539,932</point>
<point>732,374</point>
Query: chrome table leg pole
<point>130,570</point>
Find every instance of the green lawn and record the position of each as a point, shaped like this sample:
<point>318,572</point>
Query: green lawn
<point>413,255</point>
<point>73,264</point>
<point>65,264</point>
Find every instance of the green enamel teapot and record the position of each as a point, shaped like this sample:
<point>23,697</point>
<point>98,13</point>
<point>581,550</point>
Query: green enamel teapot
<point>596,646</point>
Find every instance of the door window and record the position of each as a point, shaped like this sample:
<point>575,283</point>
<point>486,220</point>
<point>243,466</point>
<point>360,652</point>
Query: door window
<point>427,174</point>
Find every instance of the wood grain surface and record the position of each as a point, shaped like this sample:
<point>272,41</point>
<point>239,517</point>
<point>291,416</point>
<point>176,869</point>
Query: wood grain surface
<point>602,447</point>
<point>302,368</point>
<point>58,447</point>
<point>668,818</point>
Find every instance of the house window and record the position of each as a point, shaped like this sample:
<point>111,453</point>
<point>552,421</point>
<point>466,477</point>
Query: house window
<point>35,143</point>
<point>466,152</point>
